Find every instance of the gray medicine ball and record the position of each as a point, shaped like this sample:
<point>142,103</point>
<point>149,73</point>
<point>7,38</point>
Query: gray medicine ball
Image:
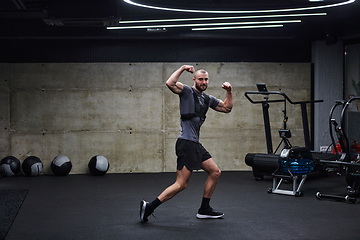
<point>61,165</point>
<point>98,165</point>
<point>32,166</point>
<point>9,166</point>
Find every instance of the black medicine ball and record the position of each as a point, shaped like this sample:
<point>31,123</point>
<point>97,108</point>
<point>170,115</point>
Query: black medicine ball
<point>9,166</point>
<point>98,165</point>
<point>32,166</point>
<point>61,165</point>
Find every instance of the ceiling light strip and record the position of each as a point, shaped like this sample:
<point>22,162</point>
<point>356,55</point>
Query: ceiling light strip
<point>238,27</point>
<point>240,11</point>
<point>221,18</point>
<point>204,24</point>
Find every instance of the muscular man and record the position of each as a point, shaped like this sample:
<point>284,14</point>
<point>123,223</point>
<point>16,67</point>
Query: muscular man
<point>191,155</point>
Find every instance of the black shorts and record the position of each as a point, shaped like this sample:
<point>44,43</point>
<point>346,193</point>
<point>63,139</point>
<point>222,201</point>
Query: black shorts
<point>190,154</point>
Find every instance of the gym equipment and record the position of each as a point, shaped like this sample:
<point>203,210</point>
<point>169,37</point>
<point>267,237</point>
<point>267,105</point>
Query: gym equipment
<point>32,166</point>
<point>9,166</point>
<point>98,165</point>
<point>266,164</point>
<point>293,163</point>
<point>61,165</point>
<point>343,161</point>
<point>284,133</point>
<point>262,164</point>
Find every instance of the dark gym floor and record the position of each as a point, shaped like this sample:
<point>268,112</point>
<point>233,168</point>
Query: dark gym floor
<point>107,207</point>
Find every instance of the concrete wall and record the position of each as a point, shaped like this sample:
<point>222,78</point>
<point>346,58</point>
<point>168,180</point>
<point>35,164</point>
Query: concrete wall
<point>125,112</point>
<point>4,110</point>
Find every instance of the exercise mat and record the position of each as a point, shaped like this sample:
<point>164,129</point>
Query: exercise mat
<point>10,203</point>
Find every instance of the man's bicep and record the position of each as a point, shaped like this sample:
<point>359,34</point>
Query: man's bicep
<point>176,88</point>
<point>220,107</point>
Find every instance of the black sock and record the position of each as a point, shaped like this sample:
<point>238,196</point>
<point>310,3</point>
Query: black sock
<point>154,204</point>
<point>205,204</point>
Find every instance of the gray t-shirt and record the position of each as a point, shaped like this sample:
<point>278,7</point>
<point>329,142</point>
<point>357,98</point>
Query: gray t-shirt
<point>190,129</point>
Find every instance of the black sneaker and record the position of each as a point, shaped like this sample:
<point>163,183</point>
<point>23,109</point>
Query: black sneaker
<point>208,213</point>
<point>144,211</point>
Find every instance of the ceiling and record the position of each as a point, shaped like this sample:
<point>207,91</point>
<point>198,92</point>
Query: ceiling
<point>86,19</point>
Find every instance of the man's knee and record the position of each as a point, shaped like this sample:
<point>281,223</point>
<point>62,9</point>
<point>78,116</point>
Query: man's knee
<point>181,186</point>
<point>216,173</point>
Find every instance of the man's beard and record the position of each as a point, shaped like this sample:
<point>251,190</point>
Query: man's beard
<point>198,87</point>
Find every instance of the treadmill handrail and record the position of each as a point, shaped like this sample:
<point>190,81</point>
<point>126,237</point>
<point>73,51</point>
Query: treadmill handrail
<point>275,93</point>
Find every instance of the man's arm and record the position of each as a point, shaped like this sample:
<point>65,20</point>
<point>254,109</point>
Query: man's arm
<point>226,105</point>
<point>172,82</point>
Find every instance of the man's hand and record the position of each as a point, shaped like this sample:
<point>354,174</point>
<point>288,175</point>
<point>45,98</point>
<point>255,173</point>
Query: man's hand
<point>227,86</point>
<point>189,68</point>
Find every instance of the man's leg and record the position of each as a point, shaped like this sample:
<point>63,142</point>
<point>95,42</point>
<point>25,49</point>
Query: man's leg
<point>214,172</point>
<point>182,179</point>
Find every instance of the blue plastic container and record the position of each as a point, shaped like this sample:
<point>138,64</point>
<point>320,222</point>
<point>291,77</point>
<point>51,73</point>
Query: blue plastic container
<point>298,166</point>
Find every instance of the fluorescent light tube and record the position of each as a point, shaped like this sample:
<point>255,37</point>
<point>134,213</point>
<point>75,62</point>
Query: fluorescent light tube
<point>203,24</point>
<point>240,11</point>
<point>222,18</point>
<point>223,28</point>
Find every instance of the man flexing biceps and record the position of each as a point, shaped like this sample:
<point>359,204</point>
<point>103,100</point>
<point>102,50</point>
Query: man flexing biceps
<point>191,155</point>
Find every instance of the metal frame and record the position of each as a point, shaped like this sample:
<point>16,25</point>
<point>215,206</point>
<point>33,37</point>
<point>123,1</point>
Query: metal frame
<point>296,188</point>
<point>265,108</point>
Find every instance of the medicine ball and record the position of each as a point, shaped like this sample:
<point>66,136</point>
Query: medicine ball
<point>32,166</point>
<point>61,165</point>
<point>9,166</point>
<point>98,165</point>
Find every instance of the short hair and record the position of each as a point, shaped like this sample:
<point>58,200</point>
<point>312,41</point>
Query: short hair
<point>202,70</point>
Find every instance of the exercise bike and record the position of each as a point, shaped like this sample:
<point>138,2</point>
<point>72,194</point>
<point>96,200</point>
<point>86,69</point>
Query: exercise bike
<point>343,159</point>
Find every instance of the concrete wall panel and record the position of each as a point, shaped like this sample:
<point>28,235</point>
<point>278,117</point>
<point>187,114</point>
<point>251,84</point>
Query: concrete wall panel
<point>126,113</point>
<point>4,110</point>
<point>87,76</point>
<point>86,110</point>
